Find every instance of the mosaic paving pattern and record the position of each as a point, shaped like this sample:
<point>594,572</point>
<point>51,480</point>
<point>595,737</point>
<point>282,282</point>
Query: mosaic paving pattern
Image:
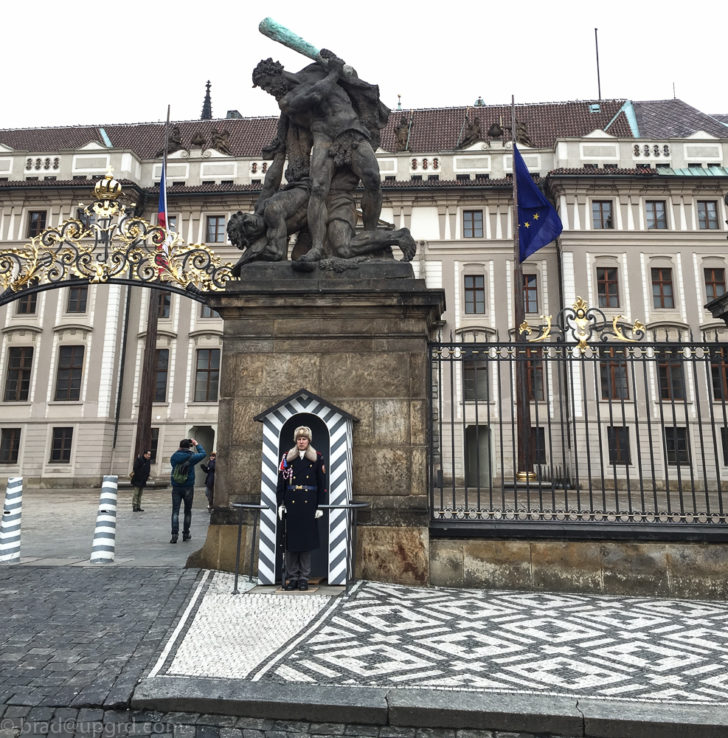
<point>609,647</point>
<point>230,635</point>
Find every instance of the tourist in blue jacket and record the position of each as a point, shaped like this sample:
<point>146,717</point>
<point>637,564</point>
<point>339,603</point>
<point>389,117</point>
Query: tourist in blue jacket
<point>183,488</point>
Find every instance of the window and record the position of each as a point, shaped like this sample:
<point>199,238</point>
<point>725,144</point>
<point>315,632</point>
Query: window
<point>472,224</point>
<point>207,375</point>
<point>602,214</point>
<point>534,374</point>
<point>538,445</point>
<point>17,381</point>
<point>161,370</point>
<point>670,374</point>
<point>36,222</point>
<point>61,445</point>
<point>462,178</point>
<point>613,374</point>
<point>155,444</point>
<point>724,444</point>
<point>530,293</point>
<point>719,373</point>
<point>207,312</point>
<point>707,215</point>
<point>70,369</point>
<point>474,294</point>
<point>662,292</point>
<point>9,445</point>
<point>676,444</point>
<point>215,229</point>
<point>607,287</point>
<point>26,304</point>
<point>77,297</point>
<point>656,214</point>
<point>714,283</point>
<point>482,177</point>
<point>164,302</point>
<point>172,223</point>
<point>618,444</point>
<point>475,380</point>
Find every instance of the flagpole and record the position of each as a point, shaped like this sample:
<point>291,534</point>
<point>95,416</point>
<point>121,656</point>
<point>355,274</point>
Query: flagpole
<point>524,467</point>
<point>148,377</point>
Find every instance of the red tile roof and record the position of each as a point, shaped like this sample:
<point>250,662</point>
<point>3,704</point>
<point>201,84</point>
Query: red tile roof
<point>433,129</point>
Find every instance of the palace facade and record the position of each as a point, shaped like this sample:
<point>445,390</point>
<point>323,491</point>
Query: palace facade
<point>639,187</point>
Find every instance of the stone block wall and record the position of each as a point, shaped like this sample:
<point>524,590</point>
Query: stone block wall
<point>651,569</point>
<point>359,341</point>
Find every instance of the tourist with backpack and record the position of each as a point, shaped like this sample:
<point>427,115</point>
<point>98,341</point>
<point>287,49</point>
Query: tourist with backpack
<point>183,462</point>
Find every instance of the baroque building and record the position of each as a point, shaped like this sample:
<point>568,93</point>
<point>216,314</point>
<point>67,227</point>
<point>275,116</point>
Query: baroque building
<point>639,187</point>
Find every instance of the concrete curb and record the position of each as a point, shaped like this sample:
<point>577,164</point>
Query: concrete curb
<point>363,705</point>
<point>424,708</point>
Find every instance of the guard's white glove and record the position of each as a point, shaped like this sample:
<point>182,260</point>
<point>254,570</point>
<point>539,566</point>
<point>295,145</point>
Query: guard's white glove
<point>318,514</point>
<point>281,510</point>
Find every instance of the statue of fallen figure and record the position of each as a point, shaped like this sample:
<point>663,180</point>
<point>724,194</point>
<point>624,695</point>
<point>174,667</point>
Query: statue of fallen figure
<point>264,234</point>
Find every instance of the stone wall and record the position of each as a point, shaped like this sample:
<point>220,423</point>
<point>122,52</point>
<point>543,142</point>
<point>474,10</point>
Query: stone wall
<point>654,569</point>
<point>357,340</point>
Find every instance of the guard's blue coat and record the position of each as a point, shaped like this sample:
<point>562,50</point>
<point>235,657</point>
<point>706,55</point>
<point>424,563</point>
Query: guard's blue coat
<point>301,527</point>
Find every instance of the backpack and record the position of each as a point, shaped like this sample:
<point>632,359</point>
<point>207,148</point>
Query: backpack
<point>180,472</point>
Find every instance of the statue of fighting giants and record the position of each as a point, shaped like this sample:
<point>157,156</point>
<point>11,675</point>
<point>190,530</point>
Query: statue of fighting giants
<point>328,131</point>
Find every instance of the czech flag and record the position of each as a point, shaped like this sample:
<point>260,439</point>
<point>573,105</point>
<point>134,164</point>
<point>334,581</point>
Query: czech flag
<point>162,212</point>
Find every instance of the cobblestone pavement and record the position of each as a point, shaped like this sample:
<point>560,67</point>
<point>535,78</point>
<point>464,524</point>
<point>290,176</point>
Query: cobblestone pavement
<point>57,528</point>
<point>75,641</point>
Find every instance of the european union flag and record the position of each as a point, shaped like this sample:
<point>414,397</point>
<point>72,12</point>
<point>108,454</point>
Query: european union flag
<point>538,221</point>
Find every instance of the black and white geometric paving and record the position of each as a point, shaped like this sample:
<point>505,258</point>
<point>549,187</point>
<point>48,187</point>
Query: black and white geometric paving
<point>520,642</point>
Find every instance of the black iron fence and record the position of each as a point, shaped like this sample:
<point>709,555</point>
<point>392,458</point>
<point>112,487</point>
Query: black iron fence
<point>616,435</point>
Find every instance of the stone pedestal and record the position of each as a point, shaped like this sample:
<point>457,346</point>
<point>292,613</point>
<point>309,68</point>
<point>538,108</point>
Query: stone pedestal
<point>358,340</point>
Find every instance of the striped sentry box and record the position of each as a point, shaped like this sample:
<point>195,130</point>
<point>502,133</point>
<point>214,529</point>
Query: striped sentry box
<point>10,523</point>
<point>104,545</point>
<point>339,424</point>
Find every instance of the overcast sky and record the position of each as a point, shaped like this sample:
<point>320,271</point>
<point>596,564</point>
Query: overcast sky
<point>70,62</point>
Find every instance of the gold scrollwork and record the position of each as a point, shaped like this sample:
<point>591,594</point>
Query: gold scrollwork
<point>106,243</point>
<point>545,329</point>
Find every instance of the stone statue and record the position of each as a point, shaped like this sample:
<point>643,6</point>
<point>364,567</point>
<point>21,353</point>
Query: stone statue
<point>198,139</point>
<point>522,136</point>
<point>220,141</point>
<point>279,213</point>
<point>401,133</point>
<point>328,130</point>
<point>174,142</point>
<point>314,100</point>
<point>471,133</point>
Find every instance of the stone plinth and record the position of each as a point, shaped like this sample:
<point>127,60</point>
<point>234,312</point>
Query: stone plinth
<point>359,341</point>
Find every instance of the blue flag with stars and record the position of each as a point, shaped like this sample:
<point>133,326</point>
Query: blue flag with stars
<point>538,221</point>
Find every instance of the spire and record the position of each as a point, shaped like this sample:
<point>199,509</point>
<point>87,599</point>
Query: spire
<point>207,104</point>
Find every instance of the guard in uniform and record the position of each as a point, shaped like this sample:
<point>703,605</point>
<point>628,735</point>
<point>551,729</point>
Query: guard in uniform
<point>301,489</point>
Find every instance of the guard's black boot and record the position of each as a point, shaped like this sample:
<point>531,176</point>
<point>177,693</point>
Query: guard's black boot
<point>173,539</point>
<point>303,584</point>
<point>290,585</point>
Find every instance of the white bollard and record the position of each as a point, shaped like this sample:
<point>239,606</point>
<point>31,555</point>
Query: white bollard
<point>104,544</point>
<point>10,523</point>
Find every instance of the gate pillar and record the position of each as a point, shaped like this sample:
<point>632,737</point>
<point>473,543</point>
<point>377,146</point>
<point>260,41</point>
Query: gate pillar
<point>359,340</point>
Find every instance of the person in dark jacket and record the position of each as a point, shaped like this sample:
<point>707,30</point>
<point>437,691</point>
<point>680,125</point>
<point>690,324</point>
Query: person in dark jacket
<point>301,489</point>
<point>192,453</point>
<point>209,470</point>
<point>139,479</point>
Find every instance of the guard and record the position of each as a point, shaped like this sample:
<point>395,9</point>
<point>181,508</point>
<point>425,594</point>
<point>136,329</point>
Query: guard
<point>301,489</point>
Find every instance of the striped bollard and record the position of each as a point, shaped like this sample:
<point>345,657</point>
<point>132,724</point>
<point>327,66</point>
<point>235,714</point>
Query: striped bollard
<point>104,544</point>
<point>10,523</point>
